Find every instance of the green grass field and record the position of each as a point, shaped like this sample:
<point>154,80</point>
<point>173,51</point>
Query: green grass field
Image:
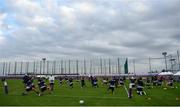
<point>92,96</point>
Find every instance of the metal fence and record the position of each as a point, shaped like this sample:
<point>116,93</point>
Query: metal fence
<point>88,66</point>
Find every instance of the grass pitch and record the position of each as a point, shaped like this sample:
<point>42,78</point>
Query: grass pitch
<point>65,96</point>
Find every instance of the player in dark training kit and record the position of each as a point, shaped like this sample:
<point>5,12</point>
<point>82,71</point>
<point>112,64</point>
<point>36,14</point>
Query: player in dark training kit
<point>82,82</point>
<point>42,86</point>
<point>95,82</point>
<point>121,81</point>
<point>112,85</point>
<point>60,81</point>
<point>140,87</point>
<point>26,79</point>
<point>29,86</point>
<point>70,82</point>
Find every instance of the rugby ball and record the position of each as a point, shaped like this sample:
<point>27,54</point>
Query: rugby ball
<point>165,88</point>
<point>81,101</point>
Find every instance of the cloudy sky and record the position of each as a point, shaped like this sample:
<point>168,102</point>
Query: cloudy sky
<point>125,28</point>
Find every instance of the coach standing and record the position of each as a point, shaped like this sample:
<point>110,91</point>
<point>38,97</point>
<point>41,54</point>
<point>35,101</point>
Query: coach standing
<point>5,86</point>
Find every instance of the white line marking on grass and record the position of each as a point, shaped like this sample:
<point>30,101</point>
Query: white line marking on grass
<point>126,90</point>
<point>100,97</point>
<point>107,97</point>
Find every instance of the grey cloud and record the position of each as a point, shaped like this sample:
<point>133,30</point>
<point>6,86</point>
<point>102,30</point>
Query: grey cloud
<point>111,28</point>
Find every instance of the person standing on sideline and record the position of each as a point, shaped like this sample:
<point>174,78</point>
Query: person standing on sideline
<point>51,82</point>
<point>5,85</point>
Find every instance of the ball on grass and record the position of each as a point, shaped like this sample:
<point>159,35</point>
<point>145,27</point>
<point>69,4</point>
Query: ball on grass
<point>165,88</point>
<point>81,101</point>
<point>177,98</point>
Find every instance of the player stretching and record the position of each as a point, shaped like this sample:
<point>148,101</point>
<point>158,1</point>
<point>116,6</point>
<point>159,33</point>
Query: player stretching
<point>42,86</point>
<point>29,86</point>
<point>82,82</point>
<point>112,85</point>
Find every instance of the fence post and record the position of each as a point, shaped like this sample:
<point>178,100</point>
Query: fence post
<point>9,68</point>
<point>3,67</point>
<point>84,67</point>
<point>178,58</point>
<point>109,66</point>
<point>69,67</point>
<point>77,67</point>
<point>15,67</point>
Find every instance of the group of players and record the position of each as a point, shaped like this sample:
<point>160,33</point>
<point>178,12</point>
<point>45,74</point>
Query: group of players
<point>154,81</point>
<point>28,81</point>
<point>137,84</point>
<point>29,85</point>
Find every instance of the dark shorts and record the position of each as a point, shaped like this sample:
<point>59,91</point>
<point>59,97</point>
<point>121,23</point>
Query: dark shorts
<point>43,89</point>
<point>95,84</point>
<point>139,89</point>
<point>170,84</point>
<point>29,88</point>
<point>82,84</point>
<point>51,84</point>
<point>71,84</point>
<point>111,88</point>
<point>121,83</point>
<point>148,84</point>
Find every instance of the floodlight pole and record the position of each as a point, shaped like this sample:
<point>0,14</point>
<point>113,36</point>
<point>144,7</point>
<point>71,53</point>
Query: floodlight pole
<point>44,59</point>
<point>165,55</point>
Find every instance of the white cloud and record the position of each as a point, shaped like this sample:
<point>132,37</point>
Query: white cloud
<point>112,28</point>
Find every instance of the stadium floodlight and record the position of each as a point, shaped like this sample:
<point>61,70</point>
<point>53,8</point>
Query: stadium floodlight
<point>165,55</point>
<point>44,59</point>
